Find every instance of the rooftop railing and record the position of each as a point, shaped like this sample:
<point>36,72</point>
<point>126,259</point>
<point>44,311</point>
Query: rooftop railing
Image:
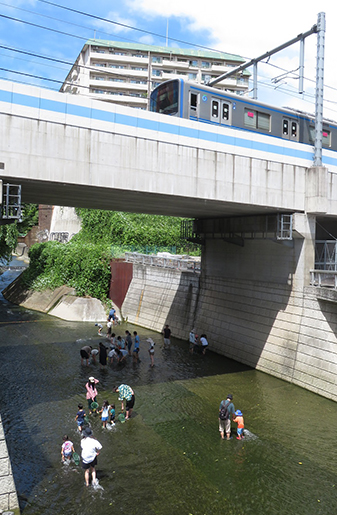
<point>324,278</point>
<point>182,264</point>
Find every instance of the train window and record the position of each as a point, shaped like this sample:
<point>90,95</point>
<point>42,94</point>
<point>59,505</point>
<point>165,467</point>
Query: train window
<point>290,129</point>
<point>256,120</point>
<point>326,137</point>
<point>194,105</point>
<point>285,128</point>
<point>194,101</point>
<point>294,129</point>
<point>215,109</point>
<point>225,111</point>
<point>263,121</point>
<point>250,119</point>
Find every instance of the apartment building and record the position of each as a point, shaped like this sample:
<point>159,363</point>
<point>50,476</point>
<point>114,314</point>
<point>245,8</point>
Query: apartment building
<point>126,73</point>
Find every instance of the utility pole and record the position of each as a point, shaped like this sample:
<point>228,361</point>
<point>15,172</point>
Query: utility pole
<point>319,90</point>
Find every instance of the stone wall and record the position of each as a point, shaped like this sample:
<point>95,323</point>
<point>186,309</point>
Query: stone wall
<point>8,496</point>
<point>159,296</point>
<point>255,305</point>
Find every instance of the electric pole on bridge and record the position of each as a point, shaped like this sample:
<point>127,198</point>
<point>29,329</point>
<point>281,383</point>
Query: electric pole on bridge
<point>318,29</point>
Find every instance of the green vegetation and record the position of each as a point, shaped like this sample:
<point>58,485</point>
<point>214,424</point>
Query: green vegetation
<point>9,233</point>
<point>83,263</point>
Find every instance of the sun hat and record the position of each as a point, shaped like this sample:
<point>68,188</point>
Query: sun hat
<point>87,431</point>
<point>238,413</point>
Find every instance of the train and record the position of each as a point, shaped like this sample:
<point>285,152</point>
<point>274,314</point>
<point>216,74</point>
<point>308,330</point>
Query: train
<point>202,103</point>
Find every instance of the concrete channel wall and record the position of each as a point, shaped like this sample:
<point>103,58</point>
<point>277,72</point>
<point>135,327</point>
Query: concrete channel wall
<point>276,325</point>
<point>9,503</point>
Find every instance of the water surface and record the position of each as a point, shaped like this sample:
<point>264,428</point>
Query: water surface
<point>169,459</point>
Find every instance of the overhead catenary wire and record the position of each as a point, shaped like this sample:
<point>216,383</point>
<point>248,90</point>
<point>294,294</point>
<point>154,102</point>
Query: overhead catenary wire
<point>76,11</point>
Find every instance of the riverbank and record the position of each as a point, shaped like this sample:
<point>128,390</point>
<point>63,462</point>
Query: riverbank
<point>61,303</point>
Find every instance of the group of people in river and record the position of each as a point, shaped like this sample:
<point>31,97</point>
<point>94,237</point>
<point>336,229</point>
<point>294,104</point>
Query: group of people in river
<point>91,447</point>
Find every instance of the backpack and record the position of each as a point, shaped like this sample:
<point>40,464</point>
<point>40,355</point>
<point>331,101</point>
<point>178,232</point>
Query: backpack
<point>224,413</point>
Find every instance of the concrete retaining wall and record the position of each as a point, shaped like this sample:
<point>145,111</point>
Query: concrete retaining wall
<point>254,306</point>
<point>8,496</point>
<point>158,296</point>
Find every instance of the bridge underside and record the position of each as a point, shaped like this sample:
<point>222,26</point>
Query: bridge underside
<point>113,199</point>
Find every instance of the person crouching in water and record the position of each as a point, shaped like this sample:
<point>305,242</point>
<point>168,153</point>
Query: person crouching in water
<point>240,422</point>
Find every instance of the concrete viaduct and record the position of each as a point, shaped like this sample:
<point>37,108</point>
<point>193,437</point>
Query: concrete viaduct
<point>254,299</point>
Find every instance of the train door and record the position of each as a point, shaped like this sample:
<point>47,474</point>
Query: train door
<point>215,110</point>
<point>290,129</point>
<point>221,111</point>
<point>194,104</point>
<point>226,113</point>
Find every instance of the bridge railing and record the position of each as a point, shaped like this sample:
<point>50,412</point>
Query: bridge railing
<point>324,278</point>
<point>177,263</point>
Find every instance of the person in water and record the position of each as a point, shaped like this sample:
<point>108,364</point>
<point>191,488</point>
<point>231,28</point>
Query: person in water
<point>67,448</point>
<point>91,391</point>
<point>90,450</point>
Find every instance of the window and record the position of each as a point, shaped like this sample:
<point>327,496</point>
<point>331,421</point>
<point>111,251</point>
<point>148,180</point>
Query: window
<point>156,73</point>
<point>192,76</point>
<point>119,53</point>
<point>285,128</point>
<point>326,136</point>
<point>194,101</point>
<point>290,129</point>
<point>256,120</point>
<point>225,112</point>
<point>138,68</point>
<point>116,66</point>
<point>205,64</point>
<point>157,59</point>
<point>164,99</point>
<point>139,55</point>
<point>205,77</point>
<point>215,109</point>
<point>194,64</point>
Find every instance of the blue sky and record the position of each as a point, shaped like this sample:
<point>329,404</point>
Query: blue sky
<point>246,28</point>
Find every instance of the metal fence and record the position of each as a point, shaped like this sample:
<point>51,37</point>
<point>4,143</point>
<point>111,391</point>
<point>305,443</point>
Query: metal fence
<point>324,278</point>
<point>183,264</point>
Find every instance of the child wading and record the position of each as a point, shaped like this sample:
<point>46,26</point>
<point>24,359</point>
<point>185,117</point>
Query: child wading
<point>105,413</point>
<point>240,422</point>
<point>80,417</point>
<point>67,448</point>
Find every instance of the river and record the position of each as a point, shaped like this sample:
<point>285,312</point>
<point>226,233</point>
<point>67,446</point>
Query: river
<point>169,458</point>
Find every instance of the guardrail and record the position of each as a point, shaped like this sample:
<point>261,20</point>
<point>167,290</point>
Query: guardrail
<point>176,263</point>
<point>324,278</point>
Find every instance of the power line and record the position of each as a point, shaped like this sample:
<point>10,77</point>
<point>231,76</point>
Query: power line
<point>115,23</point>
<point>124,25</point>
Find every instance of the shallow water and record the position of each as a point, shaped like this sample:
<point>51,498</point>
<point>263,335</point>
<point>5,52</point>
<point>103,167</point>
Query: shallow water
<point>169,458</point>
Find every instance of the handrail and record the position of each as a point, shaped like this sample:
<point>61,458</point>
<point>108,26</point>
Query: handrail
<point>177,263</point>
<point>324,278</point>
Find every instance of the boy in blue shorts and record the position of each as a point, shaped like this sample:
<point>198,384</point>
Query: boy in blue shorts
<point>80,417</point>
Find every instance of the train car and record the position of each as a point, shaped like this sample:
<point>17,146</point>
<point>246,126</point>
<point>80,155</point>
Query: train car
<point>193,101</point>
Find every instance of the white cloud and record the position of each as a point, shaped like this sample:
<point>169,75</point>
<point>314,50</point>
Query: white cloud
<point>252,28</point>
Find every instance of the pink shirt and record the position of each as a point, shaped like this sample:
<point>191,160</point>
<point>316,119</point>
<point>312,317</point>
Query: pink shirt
<point>91,392</point>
